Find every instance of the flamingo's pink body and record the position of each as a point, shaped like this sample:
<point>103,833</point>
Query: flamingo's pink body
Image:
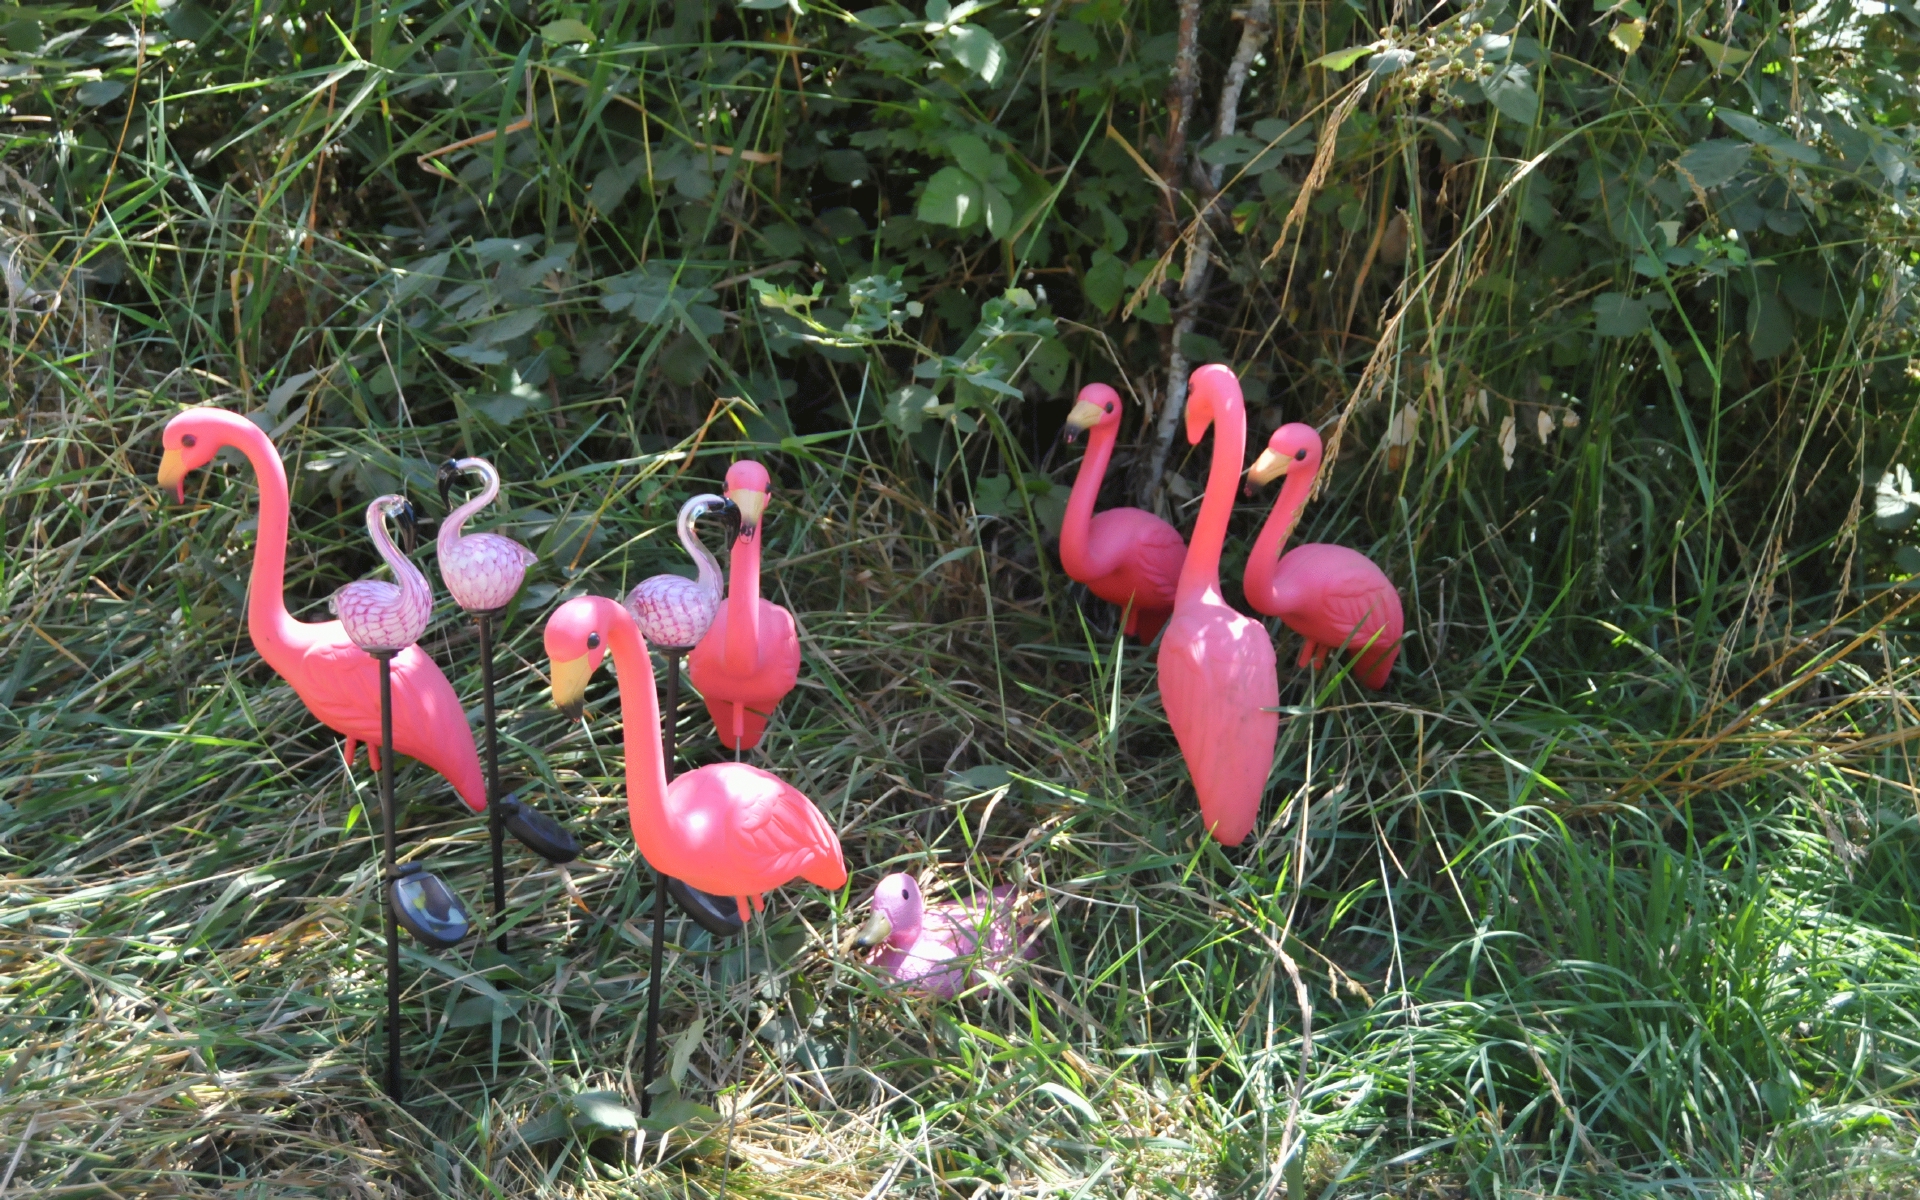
<point>337,680</point>
<point>1332,596</point>
<point>939,949</point>
<point>483,571</point>
<point>750,658</point>
<point>673,610</point>
<point>1218,679</point>
<point>729,829</point>
<point>385,616</point>
<point>1125,556</point>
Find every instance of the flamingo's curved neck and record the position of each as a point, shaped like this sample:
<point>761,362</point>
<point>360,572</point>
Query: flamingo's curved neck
<point>1202,567</point>
<point>742,649</point>
<point>274,632</point>
<point>1078,525</point>
<point>1264,562</point>
<point>450,529</point>
<point>639,721</point>
<point>414,589</point>
<point>706,566</point>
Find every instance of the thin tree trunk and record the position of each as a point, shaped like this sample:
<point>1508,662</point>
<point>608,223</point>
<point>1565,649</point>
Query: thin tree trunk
<point>1199,265</point>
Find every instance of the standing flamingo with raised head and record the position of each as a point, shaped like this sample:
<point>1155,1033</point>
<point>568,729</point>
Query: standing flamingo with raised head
<point>750,657</point>
<point>484,572</point>
<point>1218,679</point>
<point>731,829</point>
<point>1330,595</point>
<point>1125,556</point>
<point>339,684</point>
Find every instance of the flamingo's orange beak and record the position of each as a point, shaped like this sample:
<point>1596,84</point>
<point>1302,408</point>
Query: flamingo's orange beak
<point>1084,415</point>
<point>1268,467</point>
<point>570,683</point>
<point>173,474</point>
<point>877,929</point>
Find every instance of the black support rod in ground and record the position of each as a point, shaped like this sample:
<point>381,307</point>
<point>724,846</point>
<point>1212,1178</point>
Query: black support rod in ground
<point>395,1084</point>
<point>496,823</point>
<point>669,737</point>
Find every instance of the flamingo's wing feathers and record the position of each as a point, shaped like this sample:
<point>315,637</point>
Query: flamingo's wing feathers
<point>1363,605</point>
<point>341,685</point>
<point>780,828</point>
<point>1162,553</point>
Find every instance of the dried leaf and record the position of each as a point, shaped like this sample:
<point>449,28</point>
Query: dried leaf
<point>1543,425</point>
<point>1571,420</point>
<point>1481,400</point>
<point>1508,440</point>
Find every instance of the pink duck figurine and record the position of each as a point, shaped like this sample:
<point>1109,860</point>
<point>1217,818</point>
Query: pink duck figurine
<point>729,829</point>
<point>673,610</point>
<point>483,571</point>
<point>339,684</point>
<point>1125,556</point>
<point>385,616</point>
<point>750,657</point>
<point>939,950</point>
<point>1218,679</point>
<point>1332,596</point>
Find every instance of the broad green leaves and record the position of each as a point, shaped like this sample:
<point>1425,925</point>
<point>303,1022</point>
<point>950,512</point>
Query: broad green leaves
<point>978,189</point>
<point>1713,162</point>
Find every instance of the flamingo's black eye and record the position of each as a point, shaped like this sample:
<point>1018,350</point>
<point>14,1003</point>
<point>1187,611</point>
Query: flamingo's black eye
<point>906,894</point>
<point>593,641</point>
<point>187,440</point>
<point>1300,455</point>
<point>1109,408</point>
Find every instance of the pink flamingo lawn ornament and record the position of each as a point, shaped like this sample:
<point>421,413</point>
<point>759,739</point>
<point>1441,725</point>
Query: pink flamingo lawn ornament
<point>1125,556</point>
<point>384,619</point>
<point>729,829</point>
<point>337,682</point>
<point>750,658</point>
<point>1218,679</point>
<point>483,572</point>
<point>1332,596</point>
<point>940,950</point>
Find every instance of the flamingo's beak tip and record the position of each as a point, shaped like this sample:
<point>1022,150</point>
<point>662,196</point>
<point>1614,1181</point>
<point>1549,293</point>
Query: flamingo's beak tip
<point>1267,468</point>
<point>570,685</point>
<point>172,475</point>
<point>877,930</point>
<point>751,505</point>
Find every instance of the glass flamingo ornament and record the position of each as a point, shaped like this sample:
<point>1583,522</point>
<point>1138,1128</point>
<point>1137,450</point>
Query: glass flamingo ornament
<point>1125,556</point>
<point>384,619</point>
<point>483,572</point>
<point>1332,596</point>
<point>1218,679</point>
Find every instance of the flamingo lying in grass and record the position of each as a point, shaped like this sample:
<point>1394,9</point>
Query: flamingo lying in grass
<point>1330,595</point>
<point>940,949</point>
<point>730,829</point>
<point>750,658</point>
<point>1125,556</point>
<point>336,679</point>
<point>1218,679</point>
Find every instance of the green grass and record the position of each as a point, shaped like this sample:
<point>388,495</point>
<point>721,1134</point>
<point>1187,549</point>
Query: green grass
<point>1612,892</point>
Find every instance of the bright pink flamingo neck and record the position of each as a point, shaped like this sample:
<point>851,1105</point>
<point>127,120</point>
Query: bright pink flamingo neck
<point>1264,563</point>
<point>1078,525</point>
<point>275,633</point>
<point>639,721</point>
<point>742,649</point>
<point>1217,399</point>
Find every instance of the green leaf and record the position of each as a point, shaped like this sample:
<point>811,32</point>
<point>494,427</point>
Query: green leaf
<point>1230,151</point>
<point>1713,162</point>
<point>907,409</point>
<point>1510,89</point>
<point>999,212</point>
<point>1616,314</point>
<point>100,91</point>
<point>587,1114</point>
<point>565,30</point>
<point>986,777</point>
<point>1340,60</point>
<point>1105,282</point>
<point>972,156</point>
<point>990,498</point>
<point>683,1048</point>
<point>1769,326</point>
<point>1628,35</point>
<point>953,198</point>
<point>1049,364</point>
<point>978,51</point>
<point>1907,558</point>
<point>1719,54</point>
<point>1075,40</point>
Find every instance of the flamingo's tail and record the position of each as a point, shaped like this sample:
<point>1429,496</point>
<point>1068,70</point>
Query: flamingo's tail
<point>1374,671</point>
<point>1148,622</point>
<point>827,870</point>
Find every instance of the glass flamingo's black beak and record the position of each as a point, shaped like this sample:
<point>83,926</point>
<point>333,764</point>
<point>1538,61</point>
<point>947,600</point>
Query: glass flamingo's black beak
<point>730,520</point>
<point>409,522</point>
<point>449,475</point>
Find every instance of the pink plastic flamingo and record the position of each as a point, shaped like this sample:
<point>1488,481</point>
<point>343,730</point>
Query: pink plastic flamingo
<point>483,571</point>
<point>673,610</point>
<point>750,658</point>
<point>1218,679</point>
<point>729,829</point>
<point>1329,595</point>
<point>338,682</point>
<point>941,949</point>
<point>1125,556</point>
<point>385,616</point>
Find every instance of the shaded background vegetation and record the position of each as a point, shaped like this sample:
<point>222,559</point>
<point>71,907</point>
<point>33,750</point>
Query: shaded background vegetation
<point>1606,312</point>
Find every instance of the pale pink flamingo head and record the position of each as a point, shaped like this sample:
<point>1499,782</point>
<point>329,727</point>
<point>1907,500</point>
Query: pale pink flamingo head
<point>1208,389</point>
<point>189,442</point>
<point>1292,448</point>
<point>898,908</point>
<point>747,486</point>
<point>1096,407</point>
<point>576,638</point>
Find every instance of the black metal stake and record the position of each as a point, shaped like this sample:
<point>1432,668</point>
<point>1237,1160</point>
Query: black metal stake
<point>669,737</point>
<point>496,823</point>
<point>395,1082</point>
